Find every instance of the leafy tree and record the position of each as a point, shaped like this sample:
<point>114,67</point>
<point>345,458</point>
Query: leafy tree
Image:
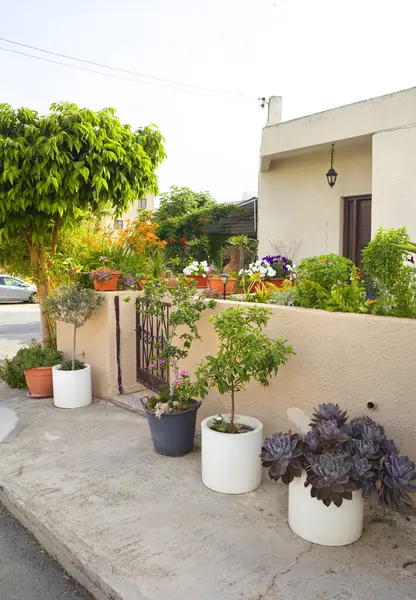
<point>56,167</point>
<point>183,220</point>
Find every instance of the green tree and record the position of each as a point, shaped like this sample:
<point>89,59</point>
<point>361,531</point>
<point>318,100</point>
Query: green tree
<point>183,220</point>
<point>56,167</point>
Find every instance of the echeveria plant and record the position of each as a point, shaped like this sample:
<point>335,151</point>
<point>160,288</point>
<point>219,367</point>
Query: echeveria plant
<point>341,456</point>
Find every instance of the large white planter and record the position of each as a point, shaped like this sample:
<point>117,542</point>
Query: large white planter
<point>329,525</point>
<point>71,389</point>
<point>231,462</point>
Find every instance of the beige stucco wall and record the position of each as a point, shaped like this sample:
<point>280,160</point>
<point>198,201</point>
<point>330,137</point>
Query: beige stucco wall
<point>131,214</point>
<point>295,201</point>
<point>346,358</point>
<point>96,345</point>
<point>345,122</point>
<point>394,179</point>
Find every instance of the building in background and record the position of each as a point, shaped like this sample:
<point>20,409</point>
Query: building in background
<point>374,156</point>
<point>120,222</point>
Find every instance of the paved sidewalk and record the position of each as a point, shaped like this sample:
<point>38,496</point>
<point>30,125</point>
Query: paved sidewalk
<point>133,525</point>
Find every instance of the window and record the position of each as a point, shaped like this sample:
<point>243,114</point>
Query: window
<point>118,224</point>
<point>357,226</point>
<point>12,282</point>
<point>142,203</point>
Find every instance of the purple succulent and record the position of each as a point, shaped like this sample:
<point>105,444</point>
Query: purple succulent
<point>398,478</point>
<point>330,434</point>
<point>281,455</point>
<point>330,478</point>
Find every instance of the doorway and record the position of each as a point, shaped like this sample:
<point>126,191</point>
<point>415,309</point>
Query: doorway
<point>357,226</point>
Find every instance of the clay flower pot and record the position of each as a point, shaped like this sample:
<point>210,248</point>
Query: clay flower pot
<point>215,284</point>
<point>140,283</point>
<point>277,281</point>
<point>39,382</point>
<point>171,282</point>
<point>107,286</point>
<point>201,281</point>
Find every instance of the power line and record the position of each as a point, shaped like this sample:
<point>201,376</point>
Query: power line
<point>97,64</point>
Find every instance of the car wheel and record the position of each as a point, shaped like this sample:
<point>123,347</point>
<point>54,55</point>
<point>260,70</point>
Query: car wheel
<point>33,298</point>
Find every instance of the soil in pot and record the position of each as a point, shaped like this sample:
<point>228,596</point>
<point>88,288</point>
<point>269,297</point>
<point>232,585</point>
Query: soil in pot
<point>173,433</point>
<point>107,286</point>
<point>39,382</point>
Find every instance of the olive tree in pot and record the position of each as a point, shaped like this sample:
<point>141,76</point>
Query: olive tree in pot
<point>231,443</point>
<point>172,412</point>
<point>72,379</point>
<point>332,468</point>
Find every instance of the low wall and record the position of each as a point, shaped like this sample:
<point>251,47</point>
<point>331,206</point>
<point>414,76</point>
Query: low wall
<point>96,345</point>
<point>346,358</point>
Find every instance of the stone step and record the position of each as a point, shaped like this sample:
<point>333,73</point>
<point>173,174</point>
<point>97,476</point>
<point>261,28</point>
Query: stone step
<point>131,401</point>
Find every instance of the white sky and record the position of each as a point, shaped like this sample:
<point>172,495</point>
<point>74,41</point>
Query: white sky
<point>316,55</point>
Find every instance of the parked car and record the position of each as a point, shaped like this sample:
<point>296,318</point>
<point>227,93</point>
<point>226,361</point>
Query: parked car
<point>16,290</point>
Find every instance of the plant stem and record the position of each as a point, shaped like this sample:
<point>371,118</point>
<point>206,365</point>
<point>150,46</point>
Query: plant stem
<point>232,406</point>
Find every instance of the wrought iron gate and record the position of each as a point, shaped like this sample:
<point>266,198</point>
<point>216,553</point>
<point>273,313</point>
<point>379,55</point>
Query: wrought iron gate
<point>151,332</point>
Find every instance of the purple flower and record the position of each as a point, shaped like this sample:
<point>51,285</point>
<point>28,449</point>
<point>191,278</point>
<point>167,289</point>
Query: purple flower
<point>162,362</point>
<point>184,373</point>
<point>153,365</point>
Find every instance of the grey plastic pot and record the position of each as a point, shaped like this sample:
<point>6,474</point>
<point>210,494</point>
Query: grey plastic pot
<point>173,434</point>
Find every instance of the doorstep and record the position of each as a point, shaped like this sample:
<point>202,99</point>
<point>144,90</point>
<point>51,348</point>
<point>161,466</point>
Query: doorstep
<point>132,402</point>
<point>129,524</point>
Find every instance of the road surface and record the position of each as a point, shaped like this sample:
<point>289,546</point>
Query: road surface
<point>27,572</point>
<point>19,323</point>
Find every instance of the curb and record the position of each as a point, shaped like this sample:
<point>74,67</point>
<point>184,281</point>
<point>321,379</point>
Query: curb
<point>94,574</point>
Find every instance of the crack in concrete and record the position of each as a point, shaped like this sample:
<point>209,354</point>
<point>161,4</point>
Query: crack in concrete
<point>290,567</point>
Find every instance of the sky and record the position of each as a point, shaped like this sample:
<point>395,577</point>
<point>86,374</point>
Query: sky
<point>316,55</point>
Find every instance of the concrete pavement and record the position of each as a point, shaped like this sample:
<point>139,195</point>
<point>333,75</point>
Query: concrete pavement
<point>19,324</point>
<point>130,524</point>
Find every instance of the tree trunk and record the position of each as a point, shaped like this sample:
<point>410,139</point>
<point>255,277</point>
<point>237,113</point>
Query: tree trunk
<point>40,276</point>
<point>74,343</point>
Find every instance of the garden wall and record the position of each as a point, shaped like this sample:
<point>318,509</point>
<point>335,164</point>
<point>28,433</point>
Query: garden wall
<point>347,358</point>
<point>96,345</point>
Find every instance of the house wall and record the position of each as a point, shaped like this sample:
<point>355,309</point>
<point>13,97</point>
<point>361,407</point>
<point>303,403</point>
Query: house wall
<point>295,201</point>
<point>130,214</point>
<point>346,358</point>
<point>394,179</point>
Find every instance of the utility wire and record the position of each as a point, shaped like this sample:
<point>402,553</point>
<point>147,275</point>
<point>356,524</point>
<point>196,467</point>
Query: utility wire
<point>97,64</point>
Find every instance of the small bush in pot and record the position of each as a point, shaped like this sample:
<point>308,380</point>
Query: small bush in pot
<point>172,413</point>
<point>230,463</point>
<point>31,367</point>
<point>75,305</point>
<point>331,468</point>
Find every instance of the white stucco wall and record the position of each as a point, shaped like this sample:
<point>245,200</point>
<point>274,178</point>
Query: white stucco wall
<point>394,180</point>
<point>295,201</point>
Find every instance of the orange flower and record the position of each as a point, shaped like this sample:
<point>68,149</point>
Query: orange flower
<point>323,260</point>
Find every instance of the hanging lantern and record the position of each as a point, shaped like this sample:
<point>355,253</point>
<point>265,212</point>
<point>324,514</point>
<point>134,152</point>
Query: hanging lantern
<point>332,174</point>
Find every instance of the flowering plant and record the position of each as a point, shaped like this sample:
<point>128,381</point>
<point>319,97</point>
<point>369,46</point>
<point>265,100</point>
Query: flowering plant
<point>101,274</point>
<point>260,266</point>
<point>280,264</point>
<point>340,457</point>
<point>198,268</point>
<point>174,398</point>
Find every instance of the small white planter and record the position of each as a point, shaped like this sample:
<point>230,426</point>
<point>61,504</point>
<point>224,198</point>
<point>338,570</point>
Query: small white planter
<point>231,462</point>
<point>71,389</point>
<point>329,525</point>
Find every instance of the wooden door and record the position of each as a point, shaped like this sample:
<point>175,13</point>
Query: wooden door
<point>357,226</point>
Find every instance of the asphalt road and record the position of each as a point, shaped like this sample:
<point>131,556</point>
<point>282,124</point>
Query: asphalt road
<point>19,323</point>
<point>27,572</point>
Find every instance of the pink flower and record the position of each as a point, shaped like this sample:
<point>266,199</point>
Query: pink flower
<point>183,373</point>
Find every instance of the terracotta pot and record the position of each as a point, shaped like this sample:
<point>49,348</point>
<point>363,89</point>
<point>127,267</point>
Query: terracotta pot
<point>108,286</point>
<point>39,381</point>
<point>140,283</point>
<point>201,281</point>
<point>277,281</point>
<point>171,282</point>
<point>215,284</point>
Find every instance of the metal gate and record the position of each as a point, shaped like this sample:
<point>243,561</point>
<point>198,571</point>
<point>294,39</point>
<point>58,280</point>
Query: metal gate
<point>151,332</point>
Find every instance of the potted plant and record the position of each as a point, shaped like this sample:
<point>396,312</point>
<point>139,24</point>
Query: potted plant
<point>172,413</point>
<point>331,468</point>
<point>282,266</point>
<point>257,270</point>
<point>215,283</point>
<point>198,271</point>
<point>231,443</point>
<point>104,278</point>
<point>72,379</point>
<point>31,367</point>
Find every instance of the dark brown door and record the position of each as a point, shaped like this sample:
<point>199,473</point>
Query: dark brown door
<point>357,226</point>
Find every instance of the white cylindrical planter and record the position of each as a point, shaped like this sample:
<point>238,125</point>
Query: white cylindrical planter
<point>231,462</point>
<point>329,525</point>
<point>71,389</point>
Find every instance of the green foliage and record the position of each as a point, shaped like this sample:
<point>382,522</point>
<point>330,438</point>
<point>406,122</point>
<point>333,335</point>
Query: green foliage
<point>310,294</point>
<point>326,270</point>
<point>385,263</point>
<point>185,312</point>
<point>348,297</point>
<point>12,371</point>
<point>244,353</point>
<point>66,365</point>
<point>183,218</point>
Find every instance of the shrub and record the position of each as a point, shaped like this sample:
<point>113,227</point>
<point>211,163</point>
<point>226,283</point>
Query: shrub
<point>12,371</point>
<point>326,270</point>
